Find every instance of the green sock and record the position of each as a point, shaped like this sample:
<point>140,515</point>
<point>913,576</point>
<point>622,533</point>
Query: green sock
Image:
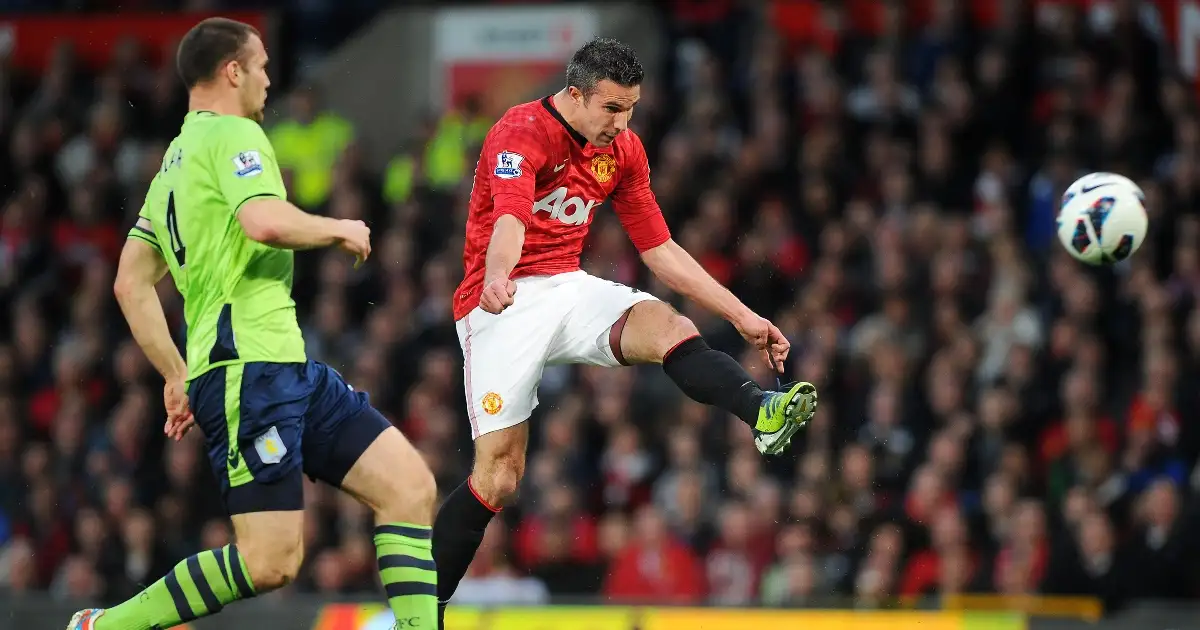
<point>409,575</point>
<point>197,587</point>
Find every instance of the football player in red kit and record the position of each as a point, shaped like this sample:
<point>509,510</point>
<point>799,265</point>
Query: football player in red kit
<point>524,303</point>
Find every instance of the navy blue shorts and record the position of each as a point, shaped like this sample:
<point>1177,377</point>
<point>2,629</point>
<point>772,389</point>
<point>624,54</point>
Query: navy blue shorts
<point>267,424</point>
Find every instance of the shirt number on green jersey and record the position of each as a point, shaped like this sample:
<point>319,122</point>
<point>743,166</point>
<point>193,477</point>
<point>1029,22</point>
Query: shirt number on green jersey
<point>177,246</point>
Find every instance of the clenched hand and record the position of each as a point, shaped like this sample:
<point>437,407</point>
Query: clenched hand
<point>498,295</point>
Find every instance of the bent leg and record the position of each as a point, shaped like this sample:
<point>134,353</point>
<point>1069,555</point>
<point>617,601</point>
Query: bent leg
<point>611,324</point>
<point>653,332</point>
<point>649,331</point>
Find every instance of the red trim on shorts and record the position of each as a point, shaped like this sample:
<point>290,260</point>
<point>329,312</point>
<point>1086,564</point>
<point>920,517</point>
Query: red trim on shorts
<point>467,378</point>
<point>681,342</point>
<point>471,487</point>
<point>614,336</point>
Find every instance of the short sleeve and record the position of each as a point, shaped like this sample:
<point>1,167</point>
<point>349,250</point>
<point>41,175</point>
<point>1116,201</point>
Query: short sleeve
<point>143,231</point>
<point>634,201</point>
<point>244,163</point>
<point>511,158</point>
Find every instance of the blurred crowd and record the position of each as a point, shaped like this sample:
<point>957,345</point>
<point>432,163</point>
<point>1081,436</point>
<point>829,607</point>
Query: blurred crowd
<point>995,417</point>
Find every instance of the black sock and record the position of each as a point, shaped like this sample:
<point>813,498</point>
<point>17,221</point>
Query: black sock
<point>713,378</point>
<point>457,532</point>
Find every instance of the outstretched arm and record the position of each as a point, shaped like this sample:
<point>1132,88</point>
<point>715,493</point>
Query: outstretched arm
<point>635,205</point>
<point>677,269</point>
<point>640,215</point>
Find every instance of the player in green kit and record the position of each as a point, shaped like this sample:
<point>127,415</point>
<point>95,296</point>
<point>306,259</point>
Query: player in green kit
<point>216,218</point>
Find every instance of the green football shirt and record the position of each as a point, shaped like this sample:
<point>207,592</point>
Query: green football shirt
<point>237,292</point>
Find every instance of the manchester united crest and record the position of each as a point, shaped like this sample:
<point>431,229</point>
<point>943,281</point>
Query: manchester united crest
<point>604,166</point>
<point>492,403</point>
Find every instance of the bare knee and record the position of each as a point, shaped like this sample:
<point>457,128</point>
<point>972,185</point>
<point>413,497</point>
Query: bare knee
<point>424,491</point>
<point>411,499</point>
<point>496,481</point>
<point>272,562</point>
<point>679,329</point>
<point>652,330</point>
<point>499,467</point>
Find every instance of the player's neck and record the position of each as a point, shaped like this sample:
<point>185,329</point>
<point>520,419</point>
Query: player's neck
<point>566,107</point>
<point>204,100</point>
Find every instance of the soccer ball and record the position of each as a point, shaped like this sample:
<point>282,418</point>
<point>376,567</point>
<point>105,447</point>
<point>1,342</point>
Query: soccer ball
<point>1102,219</point>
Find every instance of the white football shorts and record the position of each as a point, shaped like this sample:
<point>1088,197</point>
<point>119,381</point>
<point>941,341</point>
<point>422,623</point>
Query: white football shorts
<point>553,320</point>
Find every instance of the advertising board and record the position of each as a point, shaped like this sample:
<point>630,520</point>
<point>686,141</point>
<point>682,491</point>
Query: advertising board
<point>499,54</point>
<point>31,40</point>
<point>377,617</point>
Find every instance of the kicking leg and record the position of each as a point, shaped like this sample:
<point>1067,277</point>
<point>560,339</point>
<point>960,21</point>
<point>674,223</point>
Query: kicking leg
<point>392,479</point>
<point>653,332</point>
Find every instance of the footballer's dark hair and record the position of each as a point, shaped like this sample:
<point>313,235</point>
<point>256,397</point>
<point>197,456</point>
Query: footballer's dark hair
<point>211,44</point>
<point>604,58</point>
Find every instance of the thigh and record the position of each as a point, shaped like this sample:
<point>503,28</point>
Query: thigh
<point>588,335</point>
<point>388,469</point>
<point>252,419</point>
<point>339,426</point>
<point>503,356</point>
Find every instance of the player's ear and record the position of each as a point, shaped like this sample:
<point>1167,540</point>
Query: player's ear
<point>576,94</point>
<point>234,72</point>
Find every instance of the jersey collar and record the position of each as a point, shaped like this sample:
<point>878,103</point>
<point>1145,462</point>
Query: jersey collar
<point>575,135</point>
<point>198,113</point>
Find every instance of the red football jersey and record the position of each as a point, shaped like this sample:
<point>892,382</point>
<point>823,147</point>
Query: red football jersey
<point>535,167</point>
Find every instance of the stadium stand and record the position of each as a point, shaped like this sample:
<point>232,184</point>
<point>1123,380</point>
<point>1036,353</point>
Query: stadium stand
<point>995,418</point>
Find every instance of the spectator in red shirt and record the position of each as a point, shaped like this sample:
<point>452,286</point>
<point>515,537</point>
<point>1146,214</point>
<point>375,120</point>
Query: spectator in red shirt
<point>1081,420</point>
<point>1022,560</point>
<point>626,468</point>
<point>72,381</point>
<point>1153,408</point>
<point>86,236</point>
<point>655,567</point>
<point>737,560</point>
<point>949,559</point>
<point>927,494</point>
<point>558,505</point>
